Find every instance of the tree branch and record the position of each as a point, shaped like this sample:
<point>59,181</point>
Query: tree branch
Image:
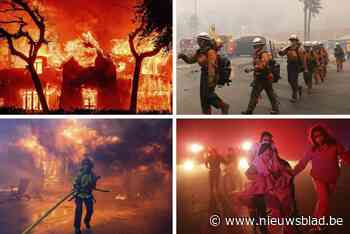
<point>151,53</point>
<point>132,37</point>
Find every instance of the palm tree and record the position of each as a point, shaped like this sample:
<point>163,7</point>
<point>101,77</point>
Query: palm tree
<point>314,10</point>
<point>306,8</point>
<point>311,9</point>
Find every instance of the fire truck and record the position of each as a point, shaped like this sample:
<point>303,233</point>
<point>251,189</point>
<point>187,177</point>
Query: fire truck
<point>244,45</point>
<point>188,45</point>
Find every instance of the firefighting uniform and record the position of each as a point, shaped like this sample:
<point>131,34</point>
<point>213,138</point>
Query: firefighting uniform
<point>310,66</point>
<point>213,162</point>
<point>84,183</point>
<point>339,54</point>
<point>294,63</point>
<point>324,62</point>
<point>262,81</point>
<point>207,59</point>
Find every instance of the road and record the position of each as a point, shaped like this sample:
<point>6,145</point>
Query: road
<point>330,97</point>
<point>194,208</point>
<point>111,216</point>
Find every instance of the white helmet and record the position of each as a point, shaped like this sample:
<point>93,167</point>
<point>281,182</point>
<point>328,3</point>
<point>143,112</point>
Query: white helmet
<point>293,37</point>
<point>258,41</point>
<point>337,43</point>
<point>315,43</point>
<point>308,44</point>
<point>203,36</point>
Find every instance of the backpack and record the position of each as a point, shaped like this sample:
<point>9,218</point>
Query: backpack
<point>274,68</point>
<point>301,67</point>
<point>224,70</point>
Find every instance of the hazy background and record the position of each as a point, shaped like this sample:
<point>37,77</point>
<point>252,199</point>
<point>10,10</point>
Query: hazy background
<point>273,17</point>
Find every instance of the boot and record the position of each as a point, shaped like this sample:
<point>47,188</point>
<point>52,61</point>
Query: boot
<point>225,108</point>
<point>247,112</point>
<point>293,100</point>
<point>274,112</point>
<point>300,92</point>
<point>87,225</point>
<point>77,231</point>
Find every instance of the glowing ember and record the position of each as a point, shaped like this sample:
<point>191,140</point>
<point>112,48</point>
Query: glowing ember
<point>89,99</point>
<point>30,99</point>
<point>82,50</point>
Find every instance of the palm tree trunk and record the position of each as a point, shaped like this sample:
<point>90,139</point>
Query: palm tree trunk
<point>309,26</point>
<point>305,21</point>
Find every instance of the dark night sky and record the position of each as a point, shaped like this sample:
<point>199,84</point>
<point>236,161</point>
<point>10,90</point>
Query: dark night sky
<point>291,136</point>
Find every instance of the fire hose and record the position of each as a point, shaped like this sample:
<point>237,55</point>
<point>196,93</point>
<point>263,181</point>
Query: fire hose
<point>69,196</point>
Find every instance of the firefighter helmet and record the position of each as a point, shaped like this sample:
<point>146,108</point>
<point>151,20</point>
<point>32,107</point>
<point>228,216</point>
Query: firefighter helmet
<point>203,36</point>
<point>87,162</point>
<point>258,42</point>
<point>308,44</point>
<point>315,43</point>
<point>293,37</point>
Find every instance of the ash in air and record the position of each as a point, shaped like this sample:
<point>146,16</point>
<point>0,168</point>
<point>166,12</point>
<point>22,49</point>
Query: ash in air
<point>119,169</point>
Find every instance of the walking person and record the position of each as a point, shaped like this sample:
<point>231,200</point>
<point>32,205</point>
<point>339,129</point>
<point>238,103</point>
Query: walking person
<point>84,184</point>
<point>323,155</point>
<point>263,78</point>
<point>295,65</point>
<point>339,55</point>
<point>207,58</point>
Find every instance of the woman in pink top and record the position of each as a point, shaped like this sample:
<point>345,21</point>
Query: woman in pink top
<point>325,166</point>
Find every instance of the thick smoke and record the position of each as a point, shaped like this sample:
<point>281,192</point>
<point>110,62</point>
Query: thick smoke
<point>118,147</point>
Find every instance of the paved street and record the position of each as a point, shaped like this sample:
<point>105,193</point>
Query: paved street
<point>330,97</point>
<point>194,208</point>
<point>111,216</point>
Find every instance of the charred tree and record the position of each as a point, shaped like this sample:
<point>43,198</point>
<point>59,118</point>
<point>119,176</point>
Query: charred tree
<point>155,20</point>
<point>139,57</point>
<point>22,6</point>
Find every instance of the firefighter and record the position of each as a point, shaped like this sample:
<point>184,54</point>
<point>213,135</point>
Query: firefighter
<point>231,174</point>
<point>262,77</point>
<point>295,65</point>
<point>213,161</point>
<point>207,58</point>
<point>84,184</point>
<point>324,61</point>
<point>339,54</point>
<point>310,65</point>
<point>318,69</point>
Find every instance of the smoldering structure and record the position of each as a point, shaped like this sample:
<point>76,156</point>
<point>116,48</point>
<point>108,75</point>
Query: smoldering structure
<point>39,159</point>
<point>87,64</point>
<point>50,157</point>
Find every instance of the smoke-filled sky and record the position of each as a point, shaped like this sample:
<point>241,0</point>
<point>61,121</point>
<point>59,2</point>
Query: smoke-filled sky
<point>290,136</point>
<point>116,145</point>
<point>261,16</point>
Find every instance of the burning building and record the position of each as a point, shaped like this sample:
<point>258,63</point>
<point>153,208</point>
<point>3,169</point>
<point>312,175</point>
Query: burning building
<point>85,69</point>
<point>89,88</point>
<point>17,89</point>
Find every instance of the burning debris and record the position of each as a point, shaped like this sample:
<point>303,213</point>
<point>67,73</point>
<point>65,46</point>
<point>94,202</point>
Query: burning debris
<point>50,153</point>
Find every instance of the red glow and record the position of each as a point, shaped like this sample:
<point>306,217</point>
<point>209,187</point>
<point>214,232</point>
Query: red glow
<point>290,136</point>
